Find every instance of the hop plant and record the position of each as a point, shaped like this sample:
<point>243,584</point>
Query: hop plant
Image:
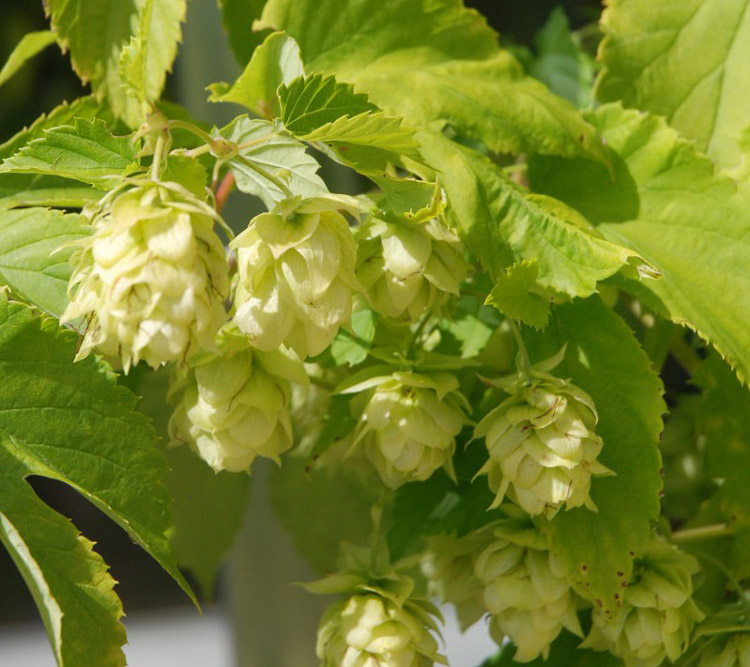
<point>379,622</point>
<point>233,406</point>
<point>541,442</point>
<point>734,652</point>
<point>409,424</point>
<point>448,566</point>
<point>296,274</point>
<point>151,281</point>
<point>657,613</point>
<point>525,589</point>
<point>408,269</point>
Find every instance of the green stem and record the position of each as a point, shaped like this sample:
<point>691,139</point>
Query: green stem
<point>194,129</point>
<point>684,354</point>
<point>255,142</point>
<point>702,533</point>
<point>417,333</point>
<point>523,353</point>
<point>262,172</point>
<point>161,143</point>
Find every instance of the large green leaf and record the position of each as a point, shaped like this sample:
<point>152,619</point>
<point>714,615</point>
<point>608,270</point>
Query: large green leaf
<point>44,190</point>
<point>276,61</point>
<point>604,359</point>
<point>31,44</point>
<point>28,237</point>
<point>666,202</point>
<point>687,61</point>
<point>237,17</point>
<point>83,107</point>
<point>282,157</point>
<point>722,419</point>
<point>503,225</point>
<point>69,581</point>
<point>96,31</point>
<point>434,60</point>
<point>85,151</point>
<point>71,422</point>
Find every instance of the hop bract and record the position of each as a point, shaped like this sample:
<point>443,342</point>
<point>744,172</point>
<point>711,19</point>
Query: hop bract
<point>541,442</point>
<point>657,614</point>
<point>233,406</point>
<point>408,269</point>
<point>448,565</point>
<point>379,623</point>
<point>152,279</point>
<point>409,424</point>
<point>525,590</point>
<point>296,274</point>
<point>734,652</point>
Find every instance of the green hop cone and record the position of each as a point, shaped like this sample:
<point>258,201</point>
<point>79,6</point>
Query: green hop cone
<point>541,442</point>
<point>448,566</point>
<point>409,268</point>
<point>409,424</point>
<point>379,622</point>
<point>733,652</point>
<point>525,589</point>
<point>296,274</point>
<point>152,279</point>
<point>657,614</point>
<point>233,406</point>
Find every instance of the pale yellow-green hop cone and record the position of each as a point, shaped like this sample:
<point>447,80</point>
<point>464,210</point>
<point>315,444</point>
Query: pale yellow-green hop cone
<point>233,406</point>
<point>379,622</point>
<point>732,652</point>
<point>541,442</point>
<point>409,424</point>
<point>152,279</point>
<point>296,274</point>
<point>409,268</point>
<point>657,614</point>
<point>448,566</point>
<point>525,589</point>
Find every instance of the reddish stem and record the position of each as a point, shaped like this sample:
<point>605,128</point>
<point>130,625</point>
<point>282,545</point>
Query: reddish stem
<point>225,189</point>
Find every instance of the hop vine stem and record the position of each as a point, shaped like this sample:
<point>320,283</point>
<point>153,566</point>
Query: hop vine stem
<point>702,533</point>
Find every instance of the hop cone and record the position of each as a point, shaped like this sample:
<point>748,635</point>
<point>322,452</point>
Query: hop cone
<point>735,652</point>
<point>408,269</point>
<point>409,424</point>
<point>541,442</point>
<point>448,566</point>
<point>233,406</point>
<point>152,279</point>
<point>379,623</point>
<point>296,275</point>
<point>525,590</point>
<point>657,614</point>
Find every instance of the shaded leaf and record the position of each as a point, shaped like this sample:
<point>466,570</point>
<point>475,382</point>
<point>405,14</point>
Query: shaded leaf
<point>31,44</point>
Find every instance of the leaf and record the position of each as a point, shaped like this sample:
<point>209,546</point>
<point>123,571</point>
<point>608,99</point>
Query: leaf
<point>28,239</point>
<point>687,61</point>
<point>310,103</point>
<point>44,190</point>
<point>31,44</point>
<point>85,151</point>
<point>97,31</point>
<point>408,199</point>
<point>207,513</point>
<point>275,62</point>
<point>71,422</point>
<point>69,581</point>
<point>666,202</point>
<point>283,157</point>
<point>501,225</point>
<point>434,60</point>
<point>560,63</point>
<point>83,107</point>
<point>722,419</point>
<point>237,16</point>
<point>513,295</point>
<point>605,360</point>
<point>469,328</point>
<point>351,349</point>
